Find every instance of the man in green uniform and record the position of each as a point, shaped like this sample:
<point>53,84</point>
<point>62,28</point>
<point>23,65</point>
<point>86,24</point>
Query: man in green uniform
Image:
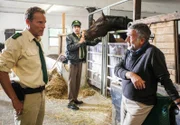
<point>23,54</point>
<point>76,54</point>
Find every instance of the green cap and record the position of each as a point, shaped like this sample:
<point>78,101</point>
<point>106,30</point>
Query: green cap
<point>76,23</point>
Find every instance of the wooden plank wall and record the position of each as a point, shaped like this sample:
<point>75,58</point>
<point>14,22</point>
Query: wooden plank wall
<point>165,41</point>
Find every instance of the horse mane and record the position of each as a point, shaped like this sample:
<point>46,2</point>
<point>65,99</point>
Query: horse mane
<point>118,22</point>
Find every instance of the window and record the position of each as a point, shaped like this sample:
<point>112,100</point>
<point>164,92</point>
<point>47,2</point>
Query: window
<point>18,31</point>
<point>53,36</point>
<point>9,32</point>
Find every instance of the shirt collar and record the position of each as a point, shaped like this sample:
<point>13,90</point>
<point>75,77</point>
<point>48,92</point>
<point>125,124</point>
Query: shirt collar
<point>142,49</point>
<point>77,35</point>
<point>31,37</point>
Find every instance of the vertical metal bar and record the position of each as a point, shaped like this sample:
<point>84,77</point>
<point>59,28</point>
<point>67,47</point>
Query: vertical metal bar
<point>102,66</point>
<point>105,64</point>
<point>104,60</point>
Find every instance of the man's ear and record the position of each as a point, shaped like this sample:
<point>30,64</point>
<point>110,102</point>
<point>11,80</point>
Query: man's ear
<point>142,41</point>
<point>27,22</point>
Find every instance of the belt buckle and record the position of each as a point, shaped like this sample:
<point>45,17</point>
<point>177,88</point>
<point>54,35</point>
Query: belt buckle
<point>41,88</point>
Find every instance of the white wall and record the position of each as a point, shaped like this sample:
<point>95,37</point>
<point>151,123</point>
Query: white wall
<point>16,21</point>
<point>8,21</point>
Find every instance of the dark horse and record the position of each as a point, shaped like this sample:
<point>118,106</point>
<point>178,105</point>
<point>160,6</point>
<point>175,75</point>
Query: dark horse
<point>106,23</point>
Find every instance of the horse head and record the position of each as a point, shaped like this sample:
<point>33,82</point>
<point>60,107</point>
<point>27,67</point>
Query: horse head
<point>104,24</point>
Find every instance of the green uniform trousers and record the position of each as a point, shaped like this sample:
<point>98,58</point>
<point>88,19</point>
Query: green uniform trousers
<point>74,81</point>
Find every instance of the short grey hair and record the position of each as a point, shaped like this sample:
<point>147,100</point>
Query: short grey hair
<point>142,30</point>
<point>31,11</point>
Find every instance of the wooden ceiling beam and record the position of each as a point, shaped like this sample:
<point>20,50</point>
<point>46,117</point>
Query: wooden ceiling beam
<point>136,9</point>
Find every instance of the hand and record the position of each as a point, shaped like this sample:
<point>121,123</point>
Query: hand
<point>83,33</point>
<point>82,37</point>
<point>177,102</point>
<point>178,106</point>
<point>82,40</point>
<point>137,81</point>
<point>18,106</point>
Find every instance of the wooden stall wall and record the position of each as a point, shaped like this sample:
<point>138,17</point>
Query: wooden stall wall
<point>165,40</point>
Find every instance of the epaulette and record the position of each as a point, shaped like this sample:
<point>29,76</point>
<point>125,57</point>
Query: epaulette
<point>15,36</point>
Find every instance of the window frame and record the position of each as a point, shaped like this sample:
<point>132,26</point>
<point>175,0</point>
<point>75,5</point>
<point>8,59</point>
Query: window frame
<point>52,36</point>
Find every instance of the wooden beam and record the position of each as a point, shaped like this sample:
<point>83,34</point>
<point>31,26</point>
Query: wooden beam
<point>177,52</point>
<point>136,9</point>
<point>61,40</point>
<point>160,18</point>
<point>63,23</point>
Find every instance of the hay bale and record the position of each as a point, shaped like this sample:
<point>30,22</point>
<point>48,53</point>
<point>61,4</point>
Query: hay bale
<point>52,72</point>
<point>56,87</point>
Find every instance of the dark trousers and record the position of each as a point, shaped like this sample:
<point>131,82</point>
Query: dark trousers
<point>74,81</point>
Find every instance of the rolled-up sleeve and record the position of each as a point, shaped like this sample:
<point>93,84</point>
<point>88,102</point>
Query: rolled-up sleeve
<point>9,55</point>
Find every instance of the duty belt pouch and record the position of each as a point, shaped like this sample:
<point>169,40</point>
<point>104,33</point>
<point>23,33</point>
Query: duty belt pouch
<point>18,90</point>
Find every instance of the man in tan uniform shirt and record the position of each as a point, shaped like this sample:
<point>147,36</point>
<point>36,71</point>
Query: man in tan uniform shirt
<point>21,54</point>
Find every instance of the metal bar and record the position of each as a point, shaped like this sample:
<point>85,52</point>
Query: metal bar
<point>109,66</point>
<point>108,88</point>
<point>94,83</point>
<point>113,55</point>
<point>120,2</point>
<point>104,66</point>
<point>111,78</point>
<point>91,70</point>
<point>117,43</point>
<point>91,52</point>
<point>115,79</point>
<point>93,62</point>
<point>121,31</point>
<point>93,80</point>
<point>118,31</point>
<point>102,69</point>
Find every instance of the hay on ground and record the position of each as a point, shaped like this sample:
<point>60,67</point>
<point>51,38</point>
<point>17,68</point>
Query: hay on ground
<point>87,92</point>
<point>56,87</point>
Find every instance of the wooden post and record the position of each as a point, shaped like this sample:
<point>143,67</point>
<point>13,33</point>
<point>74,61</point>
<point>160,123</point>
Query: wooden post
<point>136,9</point>
<point>63,23</point>
<point>62,36</point>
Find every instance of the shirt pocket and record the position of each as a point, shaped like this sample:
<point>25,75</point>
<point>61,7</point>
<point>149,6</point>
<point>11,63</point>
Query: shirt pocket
<point>31,57</point>
<point>31,52</point>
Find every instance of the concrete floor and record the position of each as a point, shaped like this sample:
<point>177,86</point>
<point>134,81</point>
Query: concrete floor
<point>96,110</point>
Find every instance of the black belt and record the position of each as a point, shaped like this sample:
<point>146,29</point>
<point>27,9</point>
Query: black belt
<point>33,90</point>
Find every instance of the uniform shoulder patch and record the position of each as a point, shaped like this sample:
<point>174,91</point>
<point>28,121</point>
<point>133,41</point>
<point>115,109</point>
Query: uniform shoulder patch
<point>15,36</point>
